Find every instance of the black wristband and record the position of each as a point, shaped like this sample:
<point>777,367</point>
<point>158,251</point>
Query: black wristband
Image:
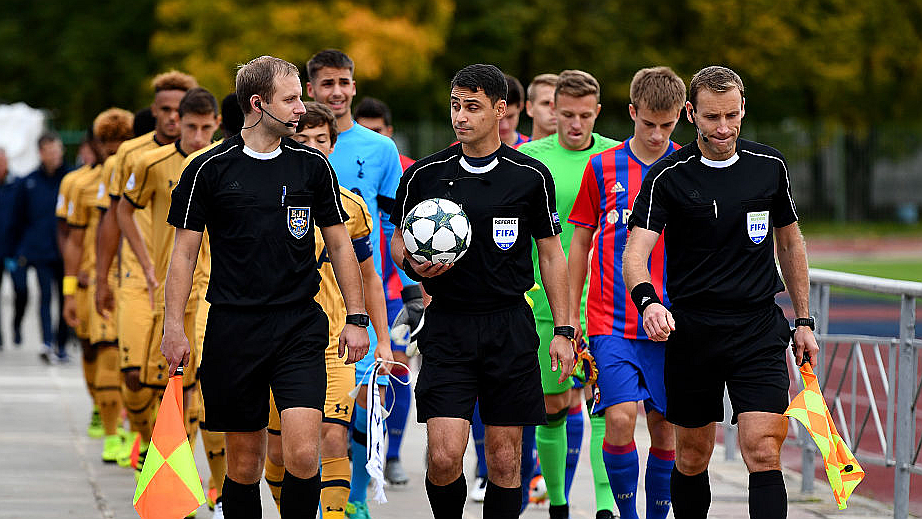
<point>644,295</point>
<point>408,270</point>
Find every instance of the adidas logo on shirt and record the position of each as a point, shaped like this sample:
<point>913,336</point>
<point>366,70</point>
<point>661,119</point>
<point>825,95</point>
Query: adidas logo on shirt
<point>617,188</point>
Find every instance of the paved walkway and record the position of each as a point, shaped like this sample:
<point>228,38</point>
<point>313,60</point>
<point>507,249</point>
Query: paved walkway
<point>49,468</point>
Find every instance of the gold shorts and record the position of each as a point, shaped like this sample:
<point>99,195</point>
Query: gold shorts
<point>135,323</point>
<point>155,370</point>
<point>83,300</point>
<point>101,329</point>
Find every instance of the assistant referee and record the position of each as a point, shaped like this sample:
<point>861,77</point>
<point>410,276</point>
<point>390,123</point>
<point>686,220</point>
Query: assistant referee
<point>479,341</point>
<point>260,194</point>
<point>725,201</point>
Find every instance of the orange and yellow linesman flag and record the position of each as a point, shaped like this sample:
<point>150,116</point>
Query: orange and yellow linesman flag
<point>810,409</point>
<point>169,487</point>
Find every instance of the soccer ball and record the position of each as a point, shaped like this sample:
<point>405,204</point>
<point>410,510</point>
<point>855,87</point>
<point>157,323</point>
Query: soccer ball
<point>437,230</point>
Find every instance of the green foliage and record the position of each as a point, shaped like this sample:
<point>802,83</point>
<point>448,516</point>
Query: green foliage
<point>76,60</point>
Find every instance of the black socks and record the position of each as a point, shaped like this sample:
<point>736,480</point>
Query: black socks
<point>691,495</point>
<point>768,498</point>
<point>300,497</point>
<point>447,502</point>
<point>502,503</point>
<point>241,501</point>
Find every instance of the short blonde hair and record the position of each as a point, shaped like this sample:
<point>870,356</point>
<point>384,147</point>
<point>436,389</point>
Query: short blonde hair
<point>114,124</point>
<point>173,80</point>
<point>576,83</point>
<point>715,78</point>
<point>657,89</point>
<point>258,78</point>
<point>541,79</point>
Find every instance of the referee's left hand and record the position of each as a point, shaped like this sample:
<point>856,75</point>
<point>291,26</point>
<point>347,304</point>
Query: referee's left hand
<point>562,356</point>
<point>353,343</point>
<point>805,340</point>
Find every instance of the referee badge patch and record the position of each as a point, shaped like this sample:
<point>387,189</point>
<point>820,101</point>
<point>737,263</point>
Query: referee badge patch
<point>757,226</point>
<point>298,221</point>
<point>505,231</point>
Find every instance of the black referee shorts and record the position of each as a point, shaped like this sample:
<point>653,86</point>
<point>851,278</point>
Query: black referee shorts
<point>491,357</point>
<point>248,350</point>
<point>743,350</point>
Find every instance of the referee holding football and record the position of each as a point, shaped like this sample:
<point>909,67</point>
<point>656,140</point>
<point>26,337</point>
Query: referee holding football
<point>479,341</point>
<point>723,199</point>
<point>260,194</point>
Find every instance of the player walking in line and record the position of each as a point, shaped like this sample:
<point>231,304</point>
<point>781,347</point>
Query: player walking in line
<point>630,365</point>
<point>576,107</point>
<point>317,129</point>
<point>154,174</point>
<point>515,102</point>
<point>368,164</point>
<point>260,194</point>
<point>375,115</point>
<point>725,201</point>
<point>539,105</point>
<point>100,347</point>
<point>134,312</point>
<point>479,342</point>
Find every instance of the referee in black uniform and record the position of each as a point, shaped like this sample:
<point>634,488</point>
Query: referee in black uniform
<point>260,194</point>
<point>479,340</point>
<point>725,201</point>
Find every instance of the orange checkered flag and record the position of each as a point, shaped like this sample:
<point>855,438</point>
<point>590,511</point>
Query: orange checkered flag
<point>169,487</point>
<point>810,409</point>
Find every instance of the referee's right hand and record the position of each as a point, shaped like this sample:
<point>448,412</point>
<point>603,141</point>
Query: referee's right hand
<point>427,269</point>
<point>175,347</point>
<point>658,322</point>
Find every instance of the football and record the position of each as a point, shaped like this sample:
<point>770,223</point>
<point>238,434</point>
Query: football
<point>437,230</point>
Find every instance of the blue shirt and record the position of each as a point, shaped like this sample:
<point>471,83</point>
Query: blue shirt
<point>34,226</point>
<point>368,164</point>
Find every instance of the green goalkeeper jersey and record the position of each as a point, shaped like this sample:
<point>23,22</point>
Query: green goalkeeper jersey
<point>567,170</point>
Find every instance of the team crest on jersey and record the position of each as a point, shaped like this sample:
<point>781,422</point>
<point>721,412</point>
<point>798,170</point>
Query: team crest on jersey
<point>505,232</point>
<point>757,226</point>
<point>298,221</point>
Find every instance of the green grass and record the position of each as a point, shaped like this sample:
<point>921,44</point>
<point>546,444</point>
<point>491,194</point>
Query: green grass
<point>910,270</point>
<point>832,229</point>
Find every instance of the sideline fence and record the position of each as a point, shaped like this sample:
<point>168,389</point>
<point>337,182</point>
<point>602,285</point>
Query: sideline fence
<point>871,386</point>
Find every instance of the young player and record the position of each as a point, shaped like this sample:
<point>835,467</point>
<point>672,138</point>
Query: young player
<point>317,129</point>
<point>509,199</point>
<point>110,129</point>
<point>725,200</point>
<point>368,164</point>
<point>539,105</point>
<point>576,107</point>
<point>630,365</point>
<point>514,104</point>
<point>376,116</point>
<point>261,194</point>
<point>134,310</point>
<point>154,174</point>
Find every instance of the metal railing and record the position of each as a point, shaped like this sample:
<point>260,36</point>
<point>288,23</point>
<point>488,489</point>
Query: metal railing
<point>869,383</point>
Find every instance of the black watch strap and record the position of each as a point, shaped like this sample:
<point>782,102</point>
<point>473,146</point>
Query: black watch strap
<point>358,320</point>
<point>805,321</point>
<point>566,331</point>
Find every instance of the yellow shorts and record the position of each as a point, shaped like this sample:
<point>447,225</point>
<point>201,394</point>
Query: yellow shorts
<point>101,329</point>
<point>135,321</point>
<point>155,370</point>
<point>83,301</point>
<point>337,407</point>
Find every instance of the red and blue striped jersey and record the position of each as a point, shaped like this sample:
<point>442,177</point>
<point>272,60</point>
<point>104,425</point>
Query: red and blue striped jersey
<point>610,183</point>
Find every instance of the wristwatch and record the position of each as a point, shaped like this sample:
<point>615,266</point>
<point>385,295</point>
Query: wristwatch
<point>805,321</point>
<point>566,331</point>
<point>358,320</point>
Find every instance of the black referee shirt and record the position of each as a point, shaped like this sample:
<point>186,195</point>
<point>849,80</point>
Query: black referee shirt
<point>719,218</point>
<point>509,202</point>
<point>260,210</point>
